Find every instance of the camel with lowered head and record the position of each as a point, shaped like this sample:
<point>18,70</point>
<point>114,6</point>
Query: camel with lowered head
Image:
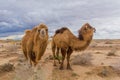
<point>67,42</point>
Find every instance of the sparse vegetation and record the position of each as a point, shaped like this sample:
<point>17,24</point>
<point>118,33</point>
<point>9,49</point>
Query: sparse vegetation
<point>7,67</point>
<point>116,67</point>
<point>93,45</point>
<point>111,53</point>
<point>83,59</point>
<point>105,71</point>
<point>103,67</point>
<point>108,42</point>
<point>11,48</point>
<point>74,75</point>
<point>98,53</point>
<point>58,57</point>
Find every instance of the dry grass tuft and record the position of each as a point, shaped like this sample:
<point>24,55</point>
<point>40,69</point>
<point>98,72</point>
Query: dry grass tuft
<point>83,59</point>
<point>7,67</point>
<point>116,67</point>
<point>103,71</point>
<point>106,71</point>
<point>74,74</point>
<point>50,57</point>
<point>112,53</point>
<point>108,42</point>
<point>11,48</point>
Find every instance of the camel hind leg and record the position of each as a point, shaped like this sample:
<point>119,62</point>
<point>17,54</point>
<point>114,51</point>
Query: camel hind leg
<point>53,51</point>
<point>25,54</point>
<point>69,52</point>
<point>63,52</point>
<point>57,54</point>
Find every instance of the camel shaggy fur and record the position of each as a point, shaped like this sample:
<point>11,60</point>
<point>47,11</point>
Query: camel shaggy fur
<point>36,43</point>
<point>67,42</point>
<point>24,42</point>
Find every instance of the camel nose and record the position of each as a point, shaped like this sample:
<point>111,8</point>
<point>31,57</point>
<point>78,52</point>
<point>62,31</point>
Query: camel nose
<point>94,29</point>
<point>42,32</point>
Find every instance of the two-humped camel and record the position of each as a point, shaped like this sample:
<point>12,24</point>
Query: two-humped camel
<point>34,43</point>
<point>67,42</point>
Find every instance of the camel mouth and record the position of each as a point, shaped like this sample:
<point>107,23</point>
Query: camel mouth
<point>94,29</point>
<point>42,33</point>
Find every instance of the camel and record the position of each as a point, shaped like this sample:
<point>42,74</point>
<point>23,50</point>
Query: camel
<point>24,40</point>
<point>35,44</point>
<point>67,42</point>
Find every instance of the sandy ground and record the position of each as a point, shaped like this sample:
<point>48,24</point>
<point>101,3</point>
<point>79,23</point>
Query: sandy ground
<point>103,56</point>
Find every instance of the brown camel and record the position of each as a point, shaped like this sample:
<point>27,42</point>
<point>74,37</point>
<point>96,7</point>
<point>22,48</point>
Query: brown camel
<point>36,43</point>
<point>24,42</point>
<point>67,42</point>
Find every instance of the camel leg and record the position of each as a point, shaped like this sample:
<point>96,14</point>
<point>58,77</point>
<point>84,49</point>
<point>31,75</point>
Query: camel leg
<point>29,63</point>
<point>25,54</point>
<point>35,67</point>
<point>54,59</point>
<point>53,50</point>
<point>57,53</point>
<point>68,58</point>
<point>29,60</point>
<point>63,52</point>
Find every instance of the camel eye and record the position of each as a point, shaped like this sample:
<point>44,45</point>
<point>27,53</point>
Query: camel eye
<point>38,30</point>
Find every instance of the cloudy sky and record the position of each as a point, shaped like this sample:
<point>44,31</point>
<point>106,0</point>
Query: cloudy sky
<point>18,15</point>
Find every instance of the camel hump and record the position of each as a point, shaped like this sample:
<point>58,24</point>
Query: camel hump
<point>27,31</point>
<point>61,30</point>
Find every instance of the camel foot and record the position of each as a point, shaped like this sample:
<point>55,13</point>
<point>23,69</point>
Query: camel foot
<point>69,68</point>
<point>29,66</point>
<point>54,64</point>
<point>61,68</point>
<point>59,62</point>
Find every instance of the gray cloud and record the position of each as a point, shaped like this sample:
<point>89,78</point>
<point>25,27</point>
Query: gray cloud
<point>18,15</point>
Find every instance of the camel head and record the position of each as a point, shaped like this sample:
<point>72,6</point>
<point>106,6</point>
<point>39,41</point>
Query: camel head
<point>87,29</point>
<point>42,31</point>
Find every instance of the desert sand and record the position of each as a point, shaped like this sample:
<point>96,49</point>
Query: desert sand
<point>100,61</point>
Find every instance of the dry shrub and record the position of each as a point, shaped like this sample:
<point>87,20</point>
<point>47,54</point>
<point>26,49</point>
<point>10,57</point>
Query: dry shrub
<point>105,71</point>
<point>18,45</point>
<point>108,42</point>
<point>111,53</point>
<point>83,59</point>
<point>6,67</point>
<point>11,48</point>
<point>116,67</point>
<point>93,45</point>
<point>50,57</point>
<point>98,53</point>
<point>74,74</point>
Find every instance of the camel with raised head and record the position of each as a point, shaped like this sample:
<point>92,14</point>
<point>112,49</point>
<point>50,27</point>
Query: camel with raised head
<point>67,42</point>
